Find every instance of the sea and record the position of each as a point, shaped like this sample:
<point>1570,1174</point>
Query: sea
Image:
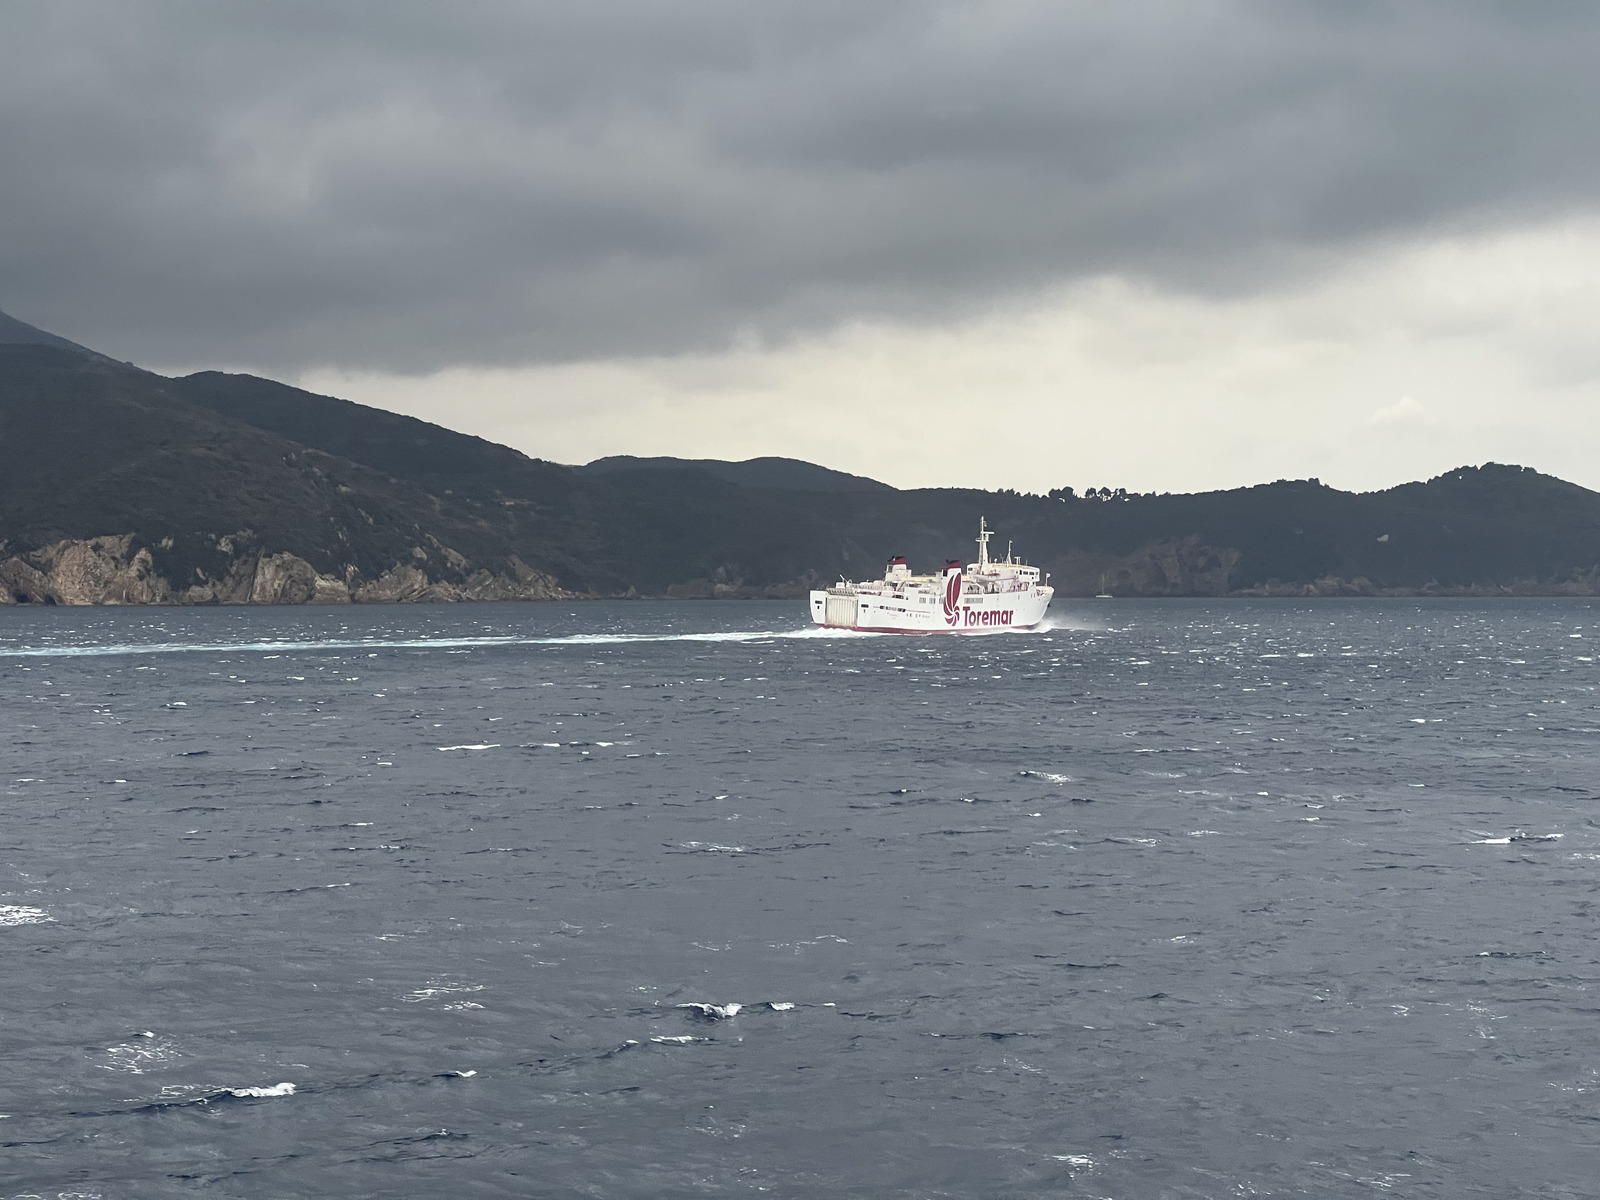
<point>1168,899</point>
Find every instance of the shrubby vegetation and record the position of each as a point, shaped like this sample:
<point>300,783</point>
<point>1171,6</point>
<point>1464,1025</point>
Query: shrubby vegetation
<point>204,468</point>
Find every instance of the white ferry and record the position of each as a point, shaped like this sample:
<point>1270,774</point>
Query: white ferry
<point>984,597</point>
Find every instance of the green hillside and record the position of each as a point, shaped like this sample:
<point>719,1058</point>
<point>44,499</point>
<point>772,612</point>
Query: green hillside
<point>210,476</point>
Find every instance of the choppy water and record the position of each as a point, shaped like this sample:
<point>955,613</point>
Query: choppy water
<point>1193,899</point>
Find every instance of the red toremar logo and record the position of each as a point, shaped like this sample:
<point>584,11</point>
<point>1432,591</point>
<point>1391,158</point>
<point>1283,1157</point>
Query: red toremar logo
<point>952,598</point>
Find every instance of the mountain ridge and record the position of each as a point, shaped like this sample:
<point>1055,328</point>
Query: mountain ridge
<point>123,486</point>
<point>789,474</point>
<point>19,333</point>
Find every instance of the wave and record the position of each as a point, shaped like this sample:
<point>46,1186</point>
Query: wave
<point>181,1096</point>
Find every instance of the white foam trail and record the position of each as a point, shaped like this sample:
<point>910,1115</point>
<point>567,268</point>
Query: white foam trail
<point>573,639</point>
<point>1069,622</point>
<point>468,643</point>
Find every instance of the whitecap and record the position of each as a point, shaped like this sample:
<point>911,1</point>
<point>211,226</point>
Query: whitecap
<point>262,1093</point>
<point>714,1012</point>
<point>780,1005</point>
<point>480,746</point>
<point>438,988</point>
<point>22,914</point>
<point>1076,1160</point>
<point>134,1058</point>
<point>1047,775</point>
<point>684,1040</point>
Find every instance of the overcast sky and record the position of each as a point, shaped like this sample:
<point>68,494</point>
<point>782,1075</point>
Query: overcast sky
<point>1155,245</point>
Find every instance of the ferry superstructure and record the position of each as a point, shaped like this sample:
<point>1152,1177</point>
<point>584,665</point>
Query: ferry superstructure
<point>983,597</point>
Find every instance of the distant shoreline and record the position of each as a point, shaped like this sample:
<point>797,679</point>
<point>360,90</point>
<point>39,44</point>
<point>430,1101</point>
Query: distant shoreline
<point>1076,601</point>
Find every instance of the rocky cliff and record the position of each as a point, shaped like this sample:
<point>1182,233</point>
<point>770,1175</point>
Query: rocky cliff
<point>116,570</point>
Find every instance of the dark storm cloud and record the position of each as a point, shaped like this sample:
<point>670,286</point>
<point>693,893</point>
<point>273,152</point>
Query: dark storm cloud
<point>417,185</point>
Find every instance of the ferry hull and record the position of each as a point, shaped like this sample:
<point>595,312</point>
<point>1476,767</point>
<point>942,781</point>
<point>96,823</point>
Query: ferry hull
<point>982,613</point>
<point>989,596</point>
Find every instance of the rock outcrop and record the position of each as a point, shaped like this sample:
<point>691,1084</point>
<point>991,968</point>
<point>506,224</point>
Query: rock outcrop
<point>1177,567</point>
<point>1582,583</point>
<point>283,579</point>
<point>112,570</point>
<point>102,570</point>
<point>405,583</point>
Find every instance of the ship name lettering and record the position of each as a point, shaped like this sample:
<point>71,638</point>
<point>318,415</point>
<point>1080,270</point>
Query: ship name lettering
<point>986,616</point>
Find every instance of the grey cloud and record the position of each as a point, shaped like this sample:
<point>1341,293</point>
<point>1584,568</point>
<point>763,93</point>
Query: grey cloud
<point>413,185</point>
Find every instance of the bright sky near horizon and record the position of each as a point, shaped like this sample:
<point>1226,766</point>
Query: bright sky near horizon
<point>1163,246</point>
